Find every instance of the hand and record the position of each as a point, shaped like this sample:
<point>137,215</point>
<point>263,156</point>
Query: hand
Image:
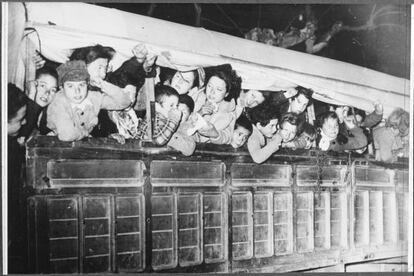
<point>140,52</point>
<point>336,27</point>
<point>349,122</point>
<point>131,90</point>
<point>38,60</point>
<point>379,109</point>
<point>290,92</point>
<point>149,62</point>
<point>175,115</point>
<point>207,109</point>
<point>118,137</point>
<point>96,82</point>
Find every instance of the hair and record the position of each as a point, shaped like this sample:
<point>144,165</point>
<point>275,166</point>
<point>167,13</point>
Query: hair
<point>353,111</point>
<point>243,122</point>
<point>308,129</point>
<point>325,116</point>
<point>231,79</point>
<point>166,74</point>
<point>91,53</point>
<point>163,91</point>
<point>263,113</point>
<point>305,92</point>
<point>16,99</point>
<point>187,100</point>
<point>288,117</point>
<point>399,118</point>
<point>46,70</point>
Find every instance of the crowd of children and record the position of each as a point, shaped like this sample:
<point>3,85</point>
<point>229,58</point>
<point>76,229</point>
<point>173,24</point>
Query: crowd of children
<point>83,98</point>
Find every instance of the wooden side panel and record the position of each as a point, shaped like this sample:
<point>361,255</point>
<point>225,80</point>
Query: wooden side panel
<point>304,222</point>
<point>390,217</point>
<point>322,224</point>
<point>130,233</point>
<point>63,234</point>
<point>95,173</point>
<point>246,174</point>
<point>96,234</point>
<point>361,214</point>
<point>189,229</point>
<point>339,220</point>
<point>164,233</point>
<point>376,235</point>
<point>402,200</point>
<point>242,225</point>
<point>283,223</point>
<point>263,224</point>
<point>215,227</point>
<point>187,174</point>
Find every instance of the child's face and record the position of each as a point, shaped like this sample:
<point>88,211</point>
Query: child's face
<point>299,104</point>
<point>185,110</point>
<point>98,68</point>
<point>268,130</point>
<point>46,87</point>
<point>168,103</point>
<point>288,132</point>
<point>14,124</point>
<point>216,90</point>
<point>240,135</point>
<point>309,140</point>
<point>75,91</point>
<point>253,98</point>
<point>331,128</point>
<point>182,81</point>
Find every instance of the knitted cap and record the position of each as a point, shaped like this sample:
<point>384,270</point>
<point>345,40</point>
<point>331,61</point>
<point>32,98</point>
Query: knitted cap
<point>72,71</point>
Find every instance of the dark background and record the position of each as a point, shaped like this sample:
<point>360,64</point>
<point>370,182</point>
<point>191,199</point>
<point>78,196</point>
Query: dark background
<point>385,48</point>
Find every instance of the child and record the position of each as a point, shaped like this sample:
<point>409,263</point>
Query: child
<point>167,116</point>
<point>264,140</point>
<point>237,135</point>
<point>389,140</point>
<point>41,93</point>
<point>180,140</point>
<point>305,139</point>
<point>287,127</point>
<point>74,111</point>
<point>331,139</point>
<point>222,88</point>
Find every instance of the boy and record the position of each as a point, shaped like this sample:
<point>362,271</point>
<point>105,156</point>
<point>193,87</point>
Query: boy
<point>41,93</point>
<point>74,112</point>
<point>236,135</point>
<point>167,115</point>
<point>264,140</point>
<point>180,140</point>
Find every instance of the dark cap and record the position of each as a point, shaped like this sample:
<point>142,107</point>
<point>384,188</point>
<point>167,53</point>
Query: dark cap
<point>72,71</point>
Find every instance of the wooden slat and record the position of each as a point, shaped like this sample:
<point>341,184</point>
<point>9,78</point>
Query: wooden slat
<point>249,174</point>
<point>187,174</point>
<point>282,223</point>
<point>242,224</point>
<point>95,173</point>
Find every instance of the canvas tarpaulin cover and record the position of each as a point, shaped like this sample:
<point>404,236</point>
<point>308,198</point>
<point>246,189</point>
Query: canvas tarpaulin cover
<point>62,27</point>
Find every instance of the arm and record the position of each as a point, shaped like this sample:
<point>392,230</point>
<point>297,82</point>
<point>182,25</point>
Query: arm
<point>372,120</point>
<point>358,141</point>
<point>164,129</point>
<point>224,136</point>
<point>312,48</point>
<point>60,121</point>
<point>260,154</point>
<point>114,97</point>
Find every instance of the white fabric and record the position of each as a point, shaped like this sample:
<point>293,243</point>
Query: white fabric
<point>261,67</point>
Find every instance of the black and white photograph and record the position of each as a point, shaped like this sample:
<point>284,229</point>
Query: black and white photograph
<point>206,137</point>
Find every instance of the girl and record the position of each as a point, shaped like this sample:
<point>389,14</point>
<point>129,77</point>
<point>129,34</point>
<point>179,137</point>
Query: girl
<point>223,87</point>
<point>329,137</point>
